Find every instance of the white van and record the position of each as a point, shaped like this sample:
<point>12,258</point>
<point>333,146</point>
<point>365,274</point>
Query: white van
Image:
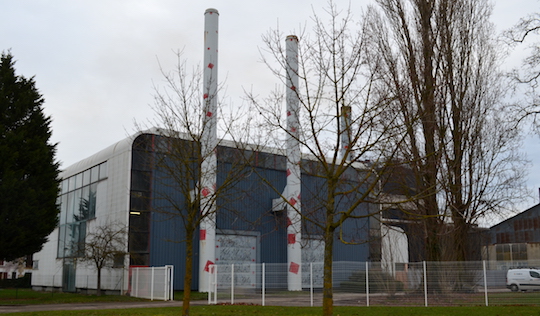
<point>523,279</point>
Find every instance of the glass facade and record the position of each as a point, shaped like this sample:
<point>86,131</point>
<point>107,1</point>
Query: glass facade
<point>77,205</point>
<point>140,193</point>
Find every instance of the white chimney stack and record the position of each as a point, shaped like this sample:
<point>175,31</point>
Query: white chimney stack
<point>207,240</point>
<point>293,188</point>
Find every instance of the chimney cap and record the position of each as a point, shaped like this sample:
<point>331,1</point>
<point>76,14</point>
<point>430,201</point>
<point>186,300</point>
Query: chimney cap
<point>292,38</point>
<point>211,11</point>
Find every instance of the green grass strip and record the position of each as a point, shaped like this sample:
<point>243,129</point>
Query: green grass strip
<point>236,310</point>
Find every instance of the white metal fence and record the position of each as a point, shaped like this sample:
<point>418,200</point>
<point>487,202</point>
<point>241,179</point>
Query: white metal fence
<point>111,280</point>
<point>155,283</point>
<point>371,283</point>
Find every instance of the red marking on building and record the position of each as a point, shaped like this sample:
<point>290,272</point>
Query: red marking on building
<point>210,65</point>
<point>291,239</point>
<point>289,223</point>
<point>293,88</point>
<point>293,129</point>
<point>205,192</point>
<point>292,201</point>
<point>202,234</point>
<point>288,172</point>
<point>209,114</point>
<point>294,268</point>
<point>298,197</point>
<point>288,113</point>
<point>205,96</point>
<point>207,266</point>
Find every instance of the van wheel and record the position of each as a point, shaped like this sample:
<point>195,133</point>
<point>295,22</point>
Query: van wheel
<point>514,288</point>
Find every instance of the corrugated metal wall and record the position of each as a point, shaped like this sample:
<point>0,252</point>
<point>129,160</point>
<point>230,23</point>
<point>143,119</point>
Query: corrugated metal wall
<point>247,206</point>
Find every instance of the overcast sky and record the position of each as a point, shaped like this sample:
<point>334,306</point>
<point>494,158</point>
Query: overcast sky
<point>96,62</point>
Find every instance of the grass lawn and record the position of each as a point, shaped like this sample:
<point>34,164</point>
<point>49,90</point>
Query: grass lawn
<point>29,297</point>
<point>223,310</point>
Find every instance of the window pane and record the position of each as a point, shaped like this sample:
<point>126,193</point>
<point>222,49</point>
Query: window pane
<point>86,177</point>
<point>61,239</point>
<point>71,183</point>
<point>138,242</point>
<point>65,186</point>
<point>70,206</point>
<point>78,181</point>
<point>63,208</point>
<point>94,174</point>
<point>81,239</point>
<point>82,212</point>
<point>140,180</point>
<point>92,194</point>
<point>70,237</point>
<point>103,171</point>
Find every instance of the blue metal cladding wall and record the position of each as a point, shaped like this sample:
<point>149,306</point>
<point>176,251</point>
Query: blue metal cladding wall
<point>354,231</point>
<point>247,206</point>
<point>167,234</point>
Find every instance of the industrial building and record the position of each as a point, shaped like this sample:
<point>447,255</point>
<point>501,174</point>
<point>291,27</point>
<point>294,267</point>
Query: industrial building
<point>515,241</point>
<point>116,185</point>
<point>250,222</point>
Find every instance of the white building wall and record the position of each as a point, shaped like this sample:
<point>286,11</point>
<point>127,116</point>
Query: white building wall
<point>395,248</point>
<point>112,206</point>
<point>48,269</point>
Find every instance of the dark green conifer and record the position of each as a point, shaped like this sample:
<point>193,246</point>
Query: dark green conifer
<point>28,171</point>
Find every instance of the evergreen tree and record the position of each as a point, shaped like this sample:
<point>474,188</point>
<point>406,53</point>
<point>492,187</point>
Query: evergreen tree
<point>28,171</point>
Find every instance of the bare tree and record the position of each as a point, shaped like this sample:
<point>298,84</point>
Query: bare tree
<point>185,160</point>
<point>337,129</point>
<point>527,76</point>
<point>104,246</point>
<point>440,71</point>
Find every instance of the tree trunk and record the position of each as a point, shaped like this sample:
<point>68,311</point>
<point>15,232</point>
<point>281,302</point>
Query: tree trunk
<point>189,271</point>
<point>98,290</point>
<point>328,293</point>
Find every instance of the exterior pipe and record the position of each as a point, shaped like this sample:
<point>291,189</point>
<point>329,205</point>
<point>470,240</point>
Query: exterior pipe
<point>207,240</point>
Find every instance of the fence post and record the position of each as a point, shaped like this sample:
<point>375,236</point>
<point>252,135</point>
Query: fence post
<point>152,285</point>
<point>172,283</point>
<point>215,283</point>
<point>311,282</point>
<point>232,283</point>
<point>263,282</point>
<point>425,284</point>
<point>166,283</point>
<point>367,283</point>
<point>485,282</point>
<point>210,288</point>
